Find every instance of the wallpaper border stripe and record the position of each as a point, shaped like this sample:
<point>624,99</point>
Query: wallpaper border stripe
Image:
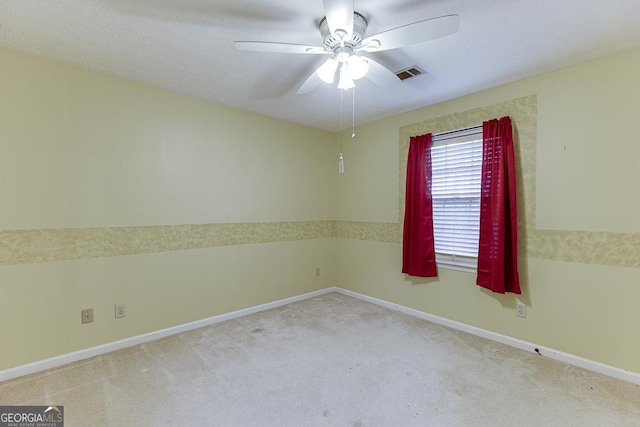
<point>65,244</point>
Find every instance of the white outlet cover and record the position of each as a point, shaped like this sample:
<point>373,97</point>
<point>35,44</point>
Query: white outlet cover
<point>120,310</point>
<point>521,309</point>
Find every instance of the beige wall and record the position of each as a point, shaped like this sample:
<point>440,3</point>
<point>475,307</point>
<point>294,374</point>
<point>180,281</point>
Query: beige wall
<point>580,249</point>
<point>117,192</point>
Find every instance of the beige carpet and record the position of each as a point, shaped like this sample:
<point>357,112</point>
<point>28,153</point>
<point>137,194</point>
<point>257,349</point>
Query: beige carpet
<point>327,361</point>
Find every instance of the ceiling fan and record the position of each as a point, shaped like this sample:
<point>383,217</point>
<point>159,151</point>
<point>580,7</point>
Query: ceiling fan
<point>343,32</point>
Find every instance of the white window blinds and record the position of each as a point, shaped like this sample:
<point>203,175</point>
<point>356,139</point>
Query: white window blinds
<point>456,169</point>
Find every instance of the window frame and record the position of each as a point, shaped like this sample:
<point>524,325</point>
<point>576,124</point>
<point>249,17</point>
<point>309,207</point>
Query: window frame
<point>451,261</point>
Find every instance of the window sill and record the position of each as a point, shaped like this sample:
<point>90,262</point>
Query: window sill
<point>458,265</point>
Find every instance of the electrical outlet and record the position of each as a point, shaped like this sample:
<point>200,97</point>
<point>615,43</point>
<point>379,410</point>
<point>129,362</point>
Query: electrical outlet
<point>120,310</point>
<point>317,271</point>
<point>87,315</point>
<point>521,309</point>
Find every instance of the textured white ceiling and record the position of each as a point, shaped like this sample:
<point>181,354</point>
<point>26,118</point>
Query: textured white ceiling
<point>187,46</point>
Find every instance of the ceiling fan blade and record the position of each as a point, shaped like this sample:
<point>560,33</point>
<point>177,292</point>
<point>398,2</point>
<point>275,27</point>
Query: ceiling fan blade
<point>280,47</point>
<point>380,74</point>
<point>409,34</point>
<point>310,84</point>
<point>339,15</point>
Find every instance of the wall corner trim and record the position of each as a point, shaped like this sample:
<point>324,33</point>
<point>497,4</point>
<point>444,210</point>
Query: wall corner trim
<point>570,359</point>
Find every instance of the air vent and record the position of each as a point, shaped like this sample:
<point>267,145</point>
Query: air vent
<point>410,72</point>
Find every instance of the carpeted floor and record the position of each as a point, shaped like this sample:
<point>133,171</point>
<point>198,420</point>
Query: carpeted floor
<point>327,361</point>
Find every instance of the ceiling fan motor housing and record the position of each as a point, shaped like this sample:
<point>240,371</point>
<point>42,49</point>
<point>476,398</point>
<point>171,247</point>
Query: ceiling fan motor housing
<point>332,43</point>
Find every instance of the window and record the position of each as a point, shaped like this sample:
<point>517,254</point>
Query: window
<point>456,159</point>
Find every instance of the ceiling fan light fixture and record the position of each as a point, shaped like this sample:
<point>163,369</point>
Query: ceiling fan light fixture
<point>358,67</point>
<point>342,55</point>
<point>345,82</point>
<point>327,71</point>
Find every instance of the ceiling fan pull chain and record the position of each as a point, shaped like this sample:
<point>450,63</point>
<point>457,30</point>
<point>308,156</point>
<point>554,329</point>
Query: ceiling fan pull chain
<point>353,113</point>
<point>341,119</point>
<point>341,157</point>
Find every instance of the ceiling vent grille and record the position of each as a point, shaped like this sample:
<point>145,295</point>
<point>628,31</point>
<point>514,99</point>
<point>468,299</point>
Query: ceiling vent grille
<point>410,72</point>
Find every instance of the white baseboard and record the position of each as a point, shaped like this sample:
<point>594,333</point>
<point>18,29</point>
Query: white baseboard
<point>75,356</point>
<point>87,353</point>
<point>601,368</point>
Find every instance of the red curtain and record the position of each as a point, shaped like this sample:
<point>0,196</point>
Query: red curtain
<point>498,246</point>
<point>418,250</point>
